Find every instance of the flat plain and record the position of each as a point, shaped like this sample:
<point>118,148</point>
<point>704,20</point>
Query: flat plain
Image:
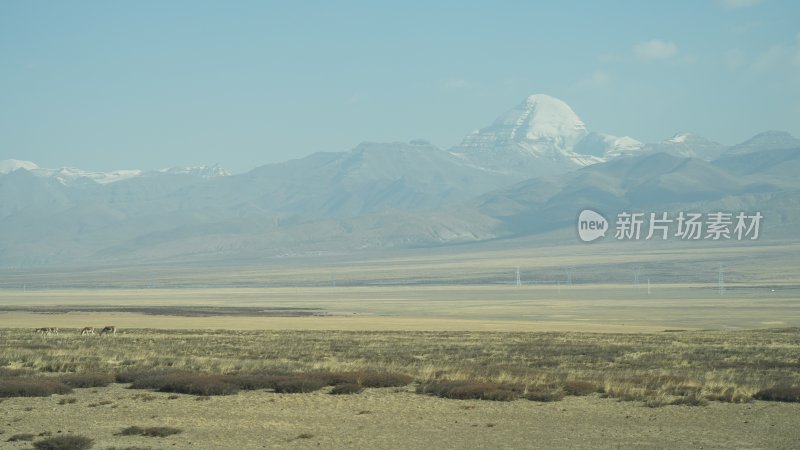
<point>599,346</point>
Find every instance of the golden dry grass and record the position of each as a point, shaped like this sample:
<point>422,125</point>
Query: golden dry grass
<point>729,366</point>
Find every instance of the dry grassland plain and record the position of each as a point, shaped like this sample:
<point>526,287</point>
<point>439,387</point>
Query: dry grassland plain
<point>424,351</point>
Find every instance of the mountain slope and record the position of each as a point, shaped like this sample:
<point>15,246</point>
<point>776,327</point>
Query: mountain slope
<point>768,140</point>
<point>60,221</point>
<point>652,182</point>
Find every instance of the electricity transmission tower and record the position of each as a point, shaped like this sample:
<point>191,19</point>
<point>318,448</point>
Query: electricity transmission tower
<point>570,271</point>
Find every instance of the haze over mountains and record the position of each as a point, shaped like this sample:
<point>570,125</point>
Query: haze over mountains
<point>529,172</point>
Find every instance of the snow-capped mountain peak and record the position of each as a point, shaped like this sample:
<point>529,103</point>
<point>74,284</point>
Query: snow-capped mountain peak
<point>607,146</point>
<point>69,175</point>
<point>10,165</point>
<point>199,171</point>
<point>540,135</point>
<point>72,175</point>
<point>540,117</point>
<point>679,138</point>
<point>689,145</point>
<point>66,175</point>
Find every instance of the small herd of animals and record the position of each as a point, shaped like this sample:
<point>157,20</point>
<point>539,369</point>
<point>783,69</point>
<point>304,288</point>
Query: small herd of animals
<point>108,329</point>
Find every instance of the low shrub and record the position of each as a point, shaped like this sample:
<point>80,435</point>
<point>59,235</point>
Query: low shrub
<point>5,372</point>
<point>87,380</point>
<point>329,378</point>
<point>131,375</point>
<point>187,383</point>
<point>22,437</point>
<point>544,394</point>
<point>149,431</point>
<point>254,382</point>
<point>298,384</point>
<point>779,393</point>
<point>65,442</point>
<point>349,388</point>
<point>382,379</point>
<point>32,387</point>
<point>469,390</point>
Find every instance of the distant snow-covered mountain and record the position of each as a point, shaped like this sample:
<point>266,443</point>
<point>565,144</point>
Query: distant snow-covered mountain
<point>527,173</point>
<point>541,135</point>
<point>67,175</point>
<point>72,175</point>
<point>10,165</point>
<point>198,171</point>
<point>688,145</point>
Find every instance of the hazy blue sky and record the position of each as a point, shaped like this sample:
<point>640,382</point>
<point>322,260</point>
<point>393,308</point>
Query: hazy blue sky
<point>110,84</point>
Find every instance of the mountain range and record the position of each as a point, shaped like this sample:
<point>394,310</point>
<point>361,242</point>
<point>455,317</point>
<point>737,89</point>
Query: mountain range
<point>529,172</point>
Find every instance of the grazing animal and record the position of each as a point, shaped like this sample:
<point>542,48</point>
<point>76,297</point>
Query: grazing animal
<point>108,329</point>
<point>47,330</point>
<point>87,330</point>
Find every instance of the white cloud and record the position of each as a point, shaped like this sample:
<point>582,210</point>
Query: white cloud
<point>597,79</point>
<point>456,83</point>
<point>779,56</point>
<point>736,4</point>
<point>654,50</point>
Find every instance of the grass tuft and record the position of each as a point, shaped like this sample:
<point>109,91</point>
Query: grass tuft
<point>580,387</point>
<point>690,400</point>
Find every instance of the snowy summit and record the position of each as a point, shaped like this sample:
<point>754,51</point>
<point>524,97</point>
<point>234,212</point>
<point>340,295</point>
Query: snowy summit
<point>541,135</point>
